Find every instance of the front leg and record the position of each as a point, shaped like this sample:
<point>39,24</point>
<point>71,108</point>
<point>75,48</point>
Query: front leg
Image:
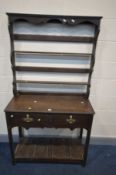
<point>10,137</point>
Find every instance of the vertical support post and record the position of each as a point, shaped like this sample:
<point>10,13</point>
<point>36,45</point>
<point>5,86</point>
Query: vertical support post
<point>20,132</point>
<point>12,55</point>
<point>10,137</point>
<point>81,134</point>
<point>86,146</point>
<point>11,144</point>
<point>87,140</point>
<point>96,33</point>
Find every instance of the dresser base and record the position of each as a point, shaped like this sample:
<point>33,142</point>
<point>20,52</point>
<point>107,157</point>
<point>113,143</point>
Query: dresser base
<point>49,111</point>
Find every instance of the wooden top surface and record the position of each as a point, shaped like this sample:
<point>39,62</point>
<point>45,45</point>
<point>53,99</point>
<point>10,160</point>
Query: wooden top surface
<point>50,104</point>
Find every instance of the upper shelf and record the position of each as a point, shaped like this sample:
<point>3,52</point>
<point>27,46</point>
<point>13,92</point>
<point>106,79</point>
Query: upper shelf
<point>53,31</point>
<point>63,66</point>
<point>54,27</point>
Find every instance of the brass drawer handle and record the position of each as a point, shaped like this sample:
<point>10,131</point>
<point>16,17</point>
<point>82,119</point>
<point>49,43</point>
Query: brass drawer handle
<point>28,119</point>
<point>70,120</point>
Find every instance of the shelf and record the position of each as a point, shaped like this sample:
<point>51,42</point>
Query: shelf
<point>23,92</point>
<point>54,53</point>
<point>23,88</point>
<point>53,38</point>
<point>50,149</point>
<point>51,82</point>
<point>51,69</point>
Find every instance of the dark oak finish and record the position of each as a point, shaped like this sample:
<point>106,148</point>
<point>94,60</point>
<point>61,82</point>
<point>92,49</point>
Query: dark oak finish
<point>52,111</point>
<point>50,149</point>
<point>29,109</point>
<point>58,103</point>
<point>38,19</point>
<point>64,20</point>
<point>53,38</point>
<point>46,92</point>
<point>51,69</point>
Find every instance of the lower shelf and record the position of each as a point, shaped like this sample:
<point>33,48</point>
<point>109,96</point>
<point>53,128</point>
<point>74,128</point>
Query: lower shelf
<point>49,150</point>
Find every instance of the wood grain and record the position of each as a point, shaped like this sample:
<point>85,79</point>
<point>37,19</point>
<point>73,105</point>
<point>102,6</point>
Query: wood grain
<point>57,104</point>
<point>62,149</point>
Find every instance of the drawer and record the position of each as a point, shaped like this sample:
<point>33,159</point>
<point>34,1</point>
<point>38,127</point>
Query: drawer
<point>29,120</point>
<point>72,121</point>
<point>49,120</point>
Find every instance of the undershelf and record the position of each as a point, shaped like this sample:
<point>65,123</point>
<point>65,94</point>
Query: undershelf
<point>49,149</point>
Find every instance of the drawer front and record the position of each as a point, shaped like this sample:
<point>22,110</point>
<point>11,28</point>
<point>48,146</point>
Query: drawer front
<point>50,120</point>
<point>72,121</point>
<point>29,120</point>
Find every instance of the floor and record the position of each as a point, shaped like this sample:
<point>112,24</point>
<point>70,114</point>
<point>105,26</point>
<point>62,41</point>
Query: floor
<point>101,161</point>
